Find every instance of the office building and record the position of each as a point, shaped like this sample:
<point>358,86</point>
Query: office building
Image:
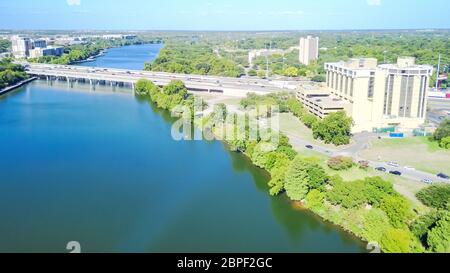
<point>379,96</point>
<point>41,43</point>
<point>309,50</point>
<point>47,51</point>
<point>21,46</point>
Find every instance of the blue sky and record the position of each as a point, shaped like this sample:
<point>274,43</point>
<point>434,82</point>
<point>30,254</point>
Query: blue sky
<point>223,15</point>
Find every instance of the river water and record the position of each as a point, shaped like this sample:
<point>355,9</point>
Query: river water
<point>100,167</point>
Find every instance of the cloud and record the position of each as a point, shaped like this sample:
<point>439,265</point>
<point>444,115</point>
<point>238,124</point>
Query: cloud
<point>374,2</point>
<point>73,2</point>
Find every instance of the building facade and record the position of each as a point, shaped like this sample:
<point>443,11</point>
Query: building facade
<point>39,43</point>
<point>309,50</point>
<point>21,46</point>
<point>379,96</point>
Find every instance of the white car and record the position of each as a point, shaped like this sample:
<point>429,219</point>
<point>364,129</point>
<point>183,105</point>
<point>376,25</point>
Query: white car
<point>427,181</point>
<point>410,168</point>
<point>393,164</point>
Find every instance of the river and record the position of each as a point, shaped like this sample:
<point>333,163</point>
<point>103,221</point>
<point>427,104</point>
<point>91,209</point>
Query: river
<point>100,167</point>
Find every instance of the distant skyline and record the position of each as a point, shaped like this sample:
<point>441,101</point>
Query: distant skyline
<point>239,15</point>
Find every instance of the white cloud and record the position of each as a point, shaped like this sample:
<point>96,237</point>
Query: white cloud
<point>374,2</point>
<point>73,2</point>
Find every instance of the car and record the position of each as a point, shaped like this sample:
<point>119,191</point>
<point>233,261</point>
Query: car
<point>443,176</point>
<point>427,181</point>
<point>395,173</point>
<point>309,147</point>
<point>410,168</point>
<point>393,164</point>
<point>381,169</point>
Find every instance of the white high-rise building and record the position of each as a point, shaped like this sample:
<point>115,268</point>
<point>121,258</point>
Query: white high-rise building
<point>309,49</point>
<point>377,97</point>
<point>21,46</point>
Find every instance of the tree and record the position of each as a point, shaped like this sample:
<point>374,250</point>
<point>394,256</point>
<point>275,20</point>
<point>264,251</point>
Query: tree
<point>443,131</point>
<point>445,143</point>
<point>302,175</point>
<point>314,200</point>
<point>439,236</point>
<point>398,209</point>
<point>175,87</point>
<point>375,224</point>
<point>423,225</point>
<point>396,241</point>
<point>296,183</point>
<point>276,183</point>
<point>335,128</point>
<point>436,196</point>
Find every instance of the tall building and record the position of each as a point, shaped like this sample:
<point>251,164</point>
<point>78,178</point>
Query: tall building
<point>309,50</point>
<point>21,46</point>
<point>380,96</point>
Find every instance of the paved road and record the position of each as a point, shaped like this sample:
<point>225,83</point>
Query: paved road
<point>361,141</point>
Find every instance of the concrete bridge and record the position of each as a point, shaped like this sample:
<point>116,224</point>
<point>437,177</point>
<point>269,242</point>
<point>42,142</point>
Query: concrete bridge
<point>238,87</point>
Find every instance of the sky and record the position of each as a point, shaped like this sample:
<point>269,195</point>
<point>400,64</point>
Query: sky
<point>223,14</point>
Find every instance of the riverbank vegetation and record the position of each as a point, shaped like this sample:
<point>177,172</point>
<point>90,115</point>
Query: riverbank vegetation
<point>10,73</point>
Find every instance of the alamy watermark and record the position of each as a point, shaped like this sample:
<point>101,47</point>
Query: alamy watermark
<point>260,123</point>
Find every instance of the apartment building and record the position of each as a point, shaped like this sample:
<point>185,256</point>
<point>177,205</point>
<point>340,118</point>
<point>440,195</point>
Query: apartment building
<point>309,49</point>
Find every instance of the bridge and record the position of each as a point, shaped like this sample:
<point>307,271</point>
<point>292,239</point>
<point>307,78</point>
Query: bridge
<point>238,87</point>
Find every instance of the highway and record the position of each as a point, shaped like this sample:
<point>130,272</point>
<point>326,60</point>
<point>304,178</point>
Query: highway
<point>225,85</point>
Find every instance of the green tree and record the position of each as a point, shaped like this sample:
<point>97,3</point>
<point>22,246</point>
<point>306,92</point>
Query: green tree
<point>445,143</point>
<point>398,209</point>
<point>396,241</point>
<point>175,87</point>
<point>291,72</point>
<point>439,237</point>
<point>436,196</point>
<point>303,175</point>
<point>315,200</point>
<point>335,128</point>
<point>442,131</point>
<point>375,224</point>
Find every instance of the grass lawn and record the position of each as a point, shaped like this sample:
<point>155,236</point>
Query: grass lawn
<point>417,152</point>
<point>291,125</point>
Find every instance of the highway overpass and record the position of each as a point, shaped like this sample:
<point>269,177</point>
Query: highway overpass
<point>238,87</point>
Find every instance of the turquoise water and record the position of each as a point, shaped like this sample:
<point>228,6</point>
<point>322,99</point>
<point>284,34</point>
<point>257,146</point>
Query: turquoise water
<point>100,167</point>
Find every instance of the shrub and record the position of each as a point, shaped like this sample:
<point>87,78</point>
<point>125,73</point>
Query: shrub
<point>439,237</point>
<point>314,200</point>
<point>340,163</point>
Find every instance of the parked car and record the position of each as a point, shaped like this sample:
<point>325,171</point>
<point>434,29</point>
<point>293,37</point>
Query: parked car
<point>427,181</point>
<point>309,147</point>
<point>443,176</point>
<point>410,168</point>
<point>393,164</point>
<point>381,169</point>
<point>395,173</point>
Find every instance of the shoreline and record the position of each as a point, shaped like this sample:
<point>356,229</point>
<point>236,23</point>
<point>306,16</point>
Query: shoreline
<point>8,89</point>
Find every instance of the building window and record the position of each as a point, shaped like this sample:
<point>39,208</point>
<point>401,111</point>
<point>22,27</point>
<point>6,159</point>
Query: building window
<point>371,87</point>
<point>352,82</point>
<point>406,92</point>
<point>388,94</point>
